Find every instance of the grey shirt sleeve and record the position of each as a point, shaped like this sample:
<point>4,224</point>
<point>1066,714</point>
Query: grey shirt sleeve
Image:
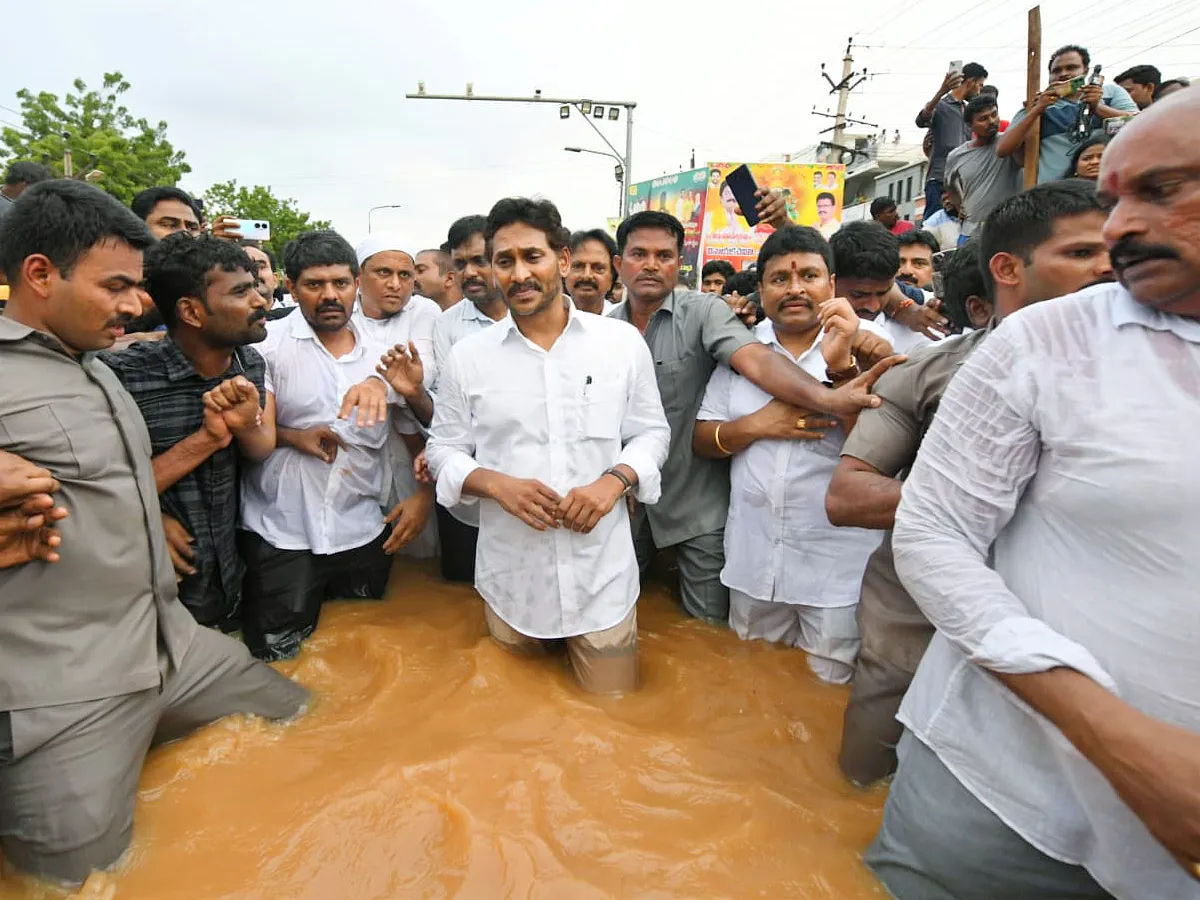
<point>721,331</point>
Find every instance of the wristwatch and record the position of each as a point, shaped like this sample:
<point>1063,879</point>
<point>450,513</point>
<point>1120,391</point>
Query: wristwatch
<point>622,477</point>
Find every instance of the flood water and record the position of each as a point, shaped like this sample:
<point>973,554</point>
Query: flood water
<point>435,765</point>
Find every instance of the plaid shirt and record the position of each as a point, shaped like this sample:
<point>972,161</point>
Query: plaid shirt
<point>168,392</point>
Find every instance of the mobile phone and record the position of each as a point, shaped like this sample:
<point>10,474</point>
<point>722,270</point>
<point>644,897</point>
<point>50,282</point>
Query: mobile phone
<point>253,229</point>
<point>741,182</point>
<point>939,267</point>
<point>1067,88</point>
<point>956,67</point>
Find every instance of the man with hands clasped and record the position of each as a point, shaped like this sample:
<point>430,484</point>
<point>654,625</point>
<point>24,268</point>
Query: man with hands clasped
<point>547,420</point>
<point>792,576</point>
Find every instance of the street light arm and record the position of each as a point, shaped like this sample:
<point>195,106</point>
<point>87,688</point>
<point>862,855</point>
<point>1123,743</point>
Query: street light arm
<point>588,119</point>
<point>596,152</point>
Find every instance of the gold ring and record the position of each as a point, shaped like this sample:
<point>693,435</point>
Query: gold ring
<point>1196,869</point>
<point>802,422</point>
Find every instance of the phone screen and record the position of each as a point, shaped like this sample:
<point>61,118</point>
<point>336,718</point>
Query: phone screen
<point>741,182</point>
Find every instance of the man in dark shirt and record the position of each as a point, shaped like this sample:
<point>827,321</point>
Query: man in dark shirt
<point>943,116</point>
<point>201,392</point>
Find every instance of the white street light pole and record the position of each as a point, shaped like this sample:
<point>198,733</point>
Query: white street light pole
<point>619,172</point>
<point>371,212</point>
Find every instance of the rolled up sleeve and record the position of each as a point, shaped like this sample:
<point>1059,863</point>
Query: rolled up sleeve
<point>450,451</point>
<point>645,434</point>
<point>721,331</point>
<point>976,460</point>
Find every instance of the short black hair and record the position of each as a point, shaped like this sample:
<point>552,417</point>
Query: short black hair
<point>881,205</point>
<point>1023,223</point>
<point>463,230</point>
<point>25,172</point>
<point>795,239</point>
<point>961,277</point>
<point>865,250</point>
<point>178,266</point>
<point>259,245</point>
<point>648,219</point>
<point>579,238</point>
<point>722,267</point>
<point>920,236</point>
<point>1093,141</point>
<point>978,104</point>
<point>1071,48</point>
<point>318,248</point>
<point>744,283</point>
<point>1174,82</point>
<point>62,220</point>
<point>540,214</point>
<point>825,195</point>
<point>144,202</point>
<point>442,256</point>
<point>1141,75</point>
<point>990,89</point>
<point>974,70</point>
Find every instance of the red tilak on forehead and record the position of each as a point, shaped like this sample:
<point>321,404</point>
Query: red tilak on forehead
<point>1112,184</point>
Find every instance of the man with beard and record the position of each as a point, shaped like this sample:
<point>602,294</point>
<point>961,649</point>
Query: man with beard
<point>1053,728</point>
<point>458,528</point>
<point>689,334</point>
<point>1042,244</point>
<point>312,524</point>
<point>916,259</point>
<point>546,423</point>
<point>100,659</point>
<point>389,314</point>
<point>435,278</point>
<point>593,269</point>
<point>202,394</point>
<point>982,179</point>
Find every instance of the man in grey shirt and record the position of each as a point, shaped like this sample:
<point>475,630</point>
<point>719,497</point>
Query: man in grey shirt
<point>689,334</point>
<point>100,658</point>
<point>981,179</point>
<point>943,116</point>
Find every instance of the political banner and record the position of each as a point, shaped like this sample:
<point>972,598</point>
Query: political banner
<point>682,195</point>
<point>813,194</point>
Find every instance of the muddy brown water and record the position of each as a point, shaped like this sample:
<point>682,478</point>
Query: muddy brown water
<point>434,765</point>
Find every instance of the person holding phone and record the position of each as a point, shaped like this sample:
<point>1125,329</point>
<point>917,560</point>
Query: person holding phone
<point>1058,109</point>
<point>943,116</point>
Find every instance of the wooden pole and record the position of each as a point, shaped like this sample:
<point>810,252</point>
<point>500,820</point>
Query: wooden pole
<point>1033,86</point>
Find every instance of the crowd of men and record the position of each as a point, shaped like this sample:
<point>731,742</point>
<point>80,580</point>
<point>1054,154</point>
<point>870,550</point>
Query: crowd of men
<point>956,481</point>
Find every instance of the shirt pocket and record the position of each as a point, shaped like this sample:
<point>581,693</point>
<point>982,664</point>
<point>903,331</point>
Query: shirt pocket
<point>602,409</point>
<point>38,436</point>
<point>673,383</point>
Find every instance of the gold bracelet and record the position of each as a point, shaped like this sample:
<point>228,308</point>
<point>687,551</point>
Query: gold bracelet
<point>717,441</point>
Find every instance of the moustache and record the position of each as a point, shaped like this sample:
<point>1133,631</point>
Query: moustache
<point>794,300</point>
<point>122,321</point>
<point>587,282</point>
<point>907,279</point>
<point>257,316</point>
<point>530,285</point>
<point>474,282</point>
<point>1129,251</point>
<point>330,306</point>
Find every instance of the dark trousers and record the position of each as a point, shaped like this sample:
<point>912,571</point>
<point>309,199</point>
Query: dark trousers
<point>458,547</point>
<point>283,590</point>
<point>933,200</point>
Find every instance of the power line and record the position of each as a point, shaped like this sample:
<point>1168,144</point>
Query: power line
<point>1156,46</point>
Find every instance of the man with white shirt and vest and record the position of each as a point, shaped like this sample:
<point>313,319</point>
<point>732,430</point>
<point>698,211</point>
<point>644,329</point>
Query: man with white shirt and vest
<point>389,313</point>
<point>546,423</point>
<point>1049,530</point>
<point>482,306</point>
<point>312,525</point>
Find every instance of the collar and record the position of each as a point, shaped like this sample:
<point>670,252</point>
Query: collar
<point>624,310</point>
<point>178,367</point>
<point>1127,311</point>
<point>298,329</point>
<point>765,332</point>
<point>471,311</point>
<point>575,320</point>
<point>12,331</point>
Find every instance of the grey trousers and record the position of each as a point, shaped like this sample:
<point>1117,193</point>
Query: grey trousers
<point>69,773</point>
<point>870,731</point>
<point>700,560</point>
<point>937,842</point>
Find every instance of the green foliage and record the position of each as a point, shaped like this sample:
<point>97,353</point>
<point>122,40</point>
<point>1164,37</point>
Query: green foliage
<point>230,198</point>
<point>104,136</point>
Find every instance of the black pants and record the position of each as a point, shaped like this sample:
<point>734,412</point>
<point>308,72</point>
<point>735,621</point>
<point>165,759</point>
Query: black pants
<point>458,547</point>
<point>283,589</point>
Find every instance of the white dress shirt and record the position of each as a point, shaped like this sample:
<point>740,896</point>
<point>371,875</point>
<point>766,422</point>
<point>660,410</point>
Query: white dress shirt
<point>1066,445</point>
<point>460,321</point>
<point>779,544</point>
<point>298,502</point>
<point>562,416</point>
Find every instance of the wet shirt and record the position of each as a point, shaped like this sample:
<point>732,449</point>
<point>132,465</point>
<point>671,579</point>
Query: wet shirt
<point>169,392</point>
<point>689,335</point>
<point>92,625</point>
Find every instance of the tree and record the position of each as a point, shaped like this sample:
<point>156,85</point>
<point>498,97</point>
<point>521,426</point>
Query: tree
<point>287,221</point>
<point>103,136</point>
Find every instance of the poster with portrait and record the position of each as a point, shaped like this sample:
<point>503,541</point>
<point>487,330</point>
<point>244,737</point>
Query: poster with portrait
<point>813,194</point>
<point>682,195</point>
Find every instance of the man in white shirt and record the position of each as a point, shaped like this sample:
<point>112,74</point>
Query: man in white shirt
<point>792,577</point>
<point>1053,744</point>
<point>866,258</point>
<point>482,306</point>
<point>312,525</point>
<point>390,315</point>
<point>548,449</point>
<point>593,270</point>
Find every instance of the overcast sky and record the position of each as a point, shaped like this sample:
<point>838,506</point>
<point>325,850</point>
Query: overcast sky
<point>308,97</point>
